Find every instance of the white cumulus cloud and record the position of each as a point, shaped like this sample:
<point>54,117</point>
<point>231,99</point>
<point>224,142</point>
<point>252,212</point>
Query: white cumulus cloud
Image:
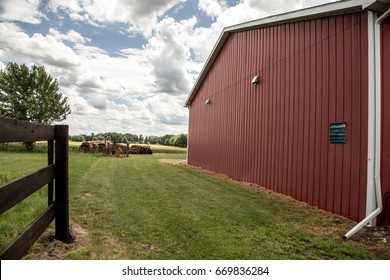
<point>71,36</point>
<point>46,50</point>
<point>21,10</point>
<point>141,16</point>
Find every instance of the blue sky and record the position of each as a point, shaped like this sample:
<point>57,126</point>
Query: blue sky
<point>124,65</point>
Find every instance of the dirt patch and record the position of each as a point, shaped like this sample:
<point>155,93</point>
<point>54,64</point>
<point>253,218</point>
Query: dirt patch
<point>173,161</point>
<point>86,196</point>
<point>149,247</point>
<point>375,238</point>
<point>49,248</point>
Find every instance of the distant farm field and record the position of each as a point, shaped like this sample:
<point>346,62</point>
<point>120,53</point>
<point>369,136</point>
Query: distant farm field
<point>41,146</point>
<point>153,207</point>
<point>155,148</point>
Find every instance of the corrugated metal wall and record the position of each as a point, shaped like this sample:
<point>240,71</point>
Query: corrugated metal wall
<point>385,119</point>
<point>276,134</point>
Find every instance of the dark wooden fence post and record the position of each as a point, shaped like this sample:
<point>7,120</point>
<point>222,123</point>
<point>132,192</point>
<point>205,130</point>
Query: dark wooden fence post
<point>61,184</point>
<point>50,160</point>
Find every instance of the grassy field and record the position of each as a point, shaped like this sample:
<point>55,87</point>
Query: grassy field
<point>145,207</point>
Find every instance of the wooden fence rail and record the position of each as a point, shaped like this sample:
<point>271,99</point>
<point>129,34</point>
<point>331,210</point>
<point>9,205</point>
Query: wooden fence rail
<point>16,191</point>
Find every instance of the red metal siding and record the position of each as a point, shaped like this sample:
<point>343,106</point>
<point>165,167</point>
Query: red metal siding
<point>385,40</point>
<point>276,134</point>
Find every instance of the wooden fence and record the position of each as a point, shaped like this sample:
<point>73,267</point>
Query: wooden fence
<point>14,192</point>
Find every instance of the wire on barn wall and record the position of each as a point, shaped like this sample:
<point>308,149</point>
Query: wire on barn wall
<point>273,65</point>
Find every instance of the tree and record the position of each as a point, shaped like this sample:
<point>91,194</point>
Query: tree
<point>77,138</point>
<point>181,141</point>
<point>153,139</point>
<point>31,94</point>
<point>172,140</point>
<point>124,140</point>
<point>165,140</point>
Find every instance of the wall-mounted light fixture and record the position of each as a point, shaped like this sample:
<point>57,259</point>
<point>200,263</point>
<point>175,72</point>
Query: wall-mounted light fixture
<point>255,80</point>
<point>208,101</point>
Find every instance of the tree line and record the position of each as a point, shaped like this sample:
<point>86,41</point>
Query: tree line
<point>179,140</point>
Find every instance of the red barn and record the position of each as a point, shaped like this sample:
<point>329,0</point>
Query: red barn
<point>300,104</point>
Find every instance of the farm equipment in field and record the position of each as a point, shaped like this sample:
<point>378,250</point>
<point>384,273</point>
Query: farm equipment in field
<point>110,148</point>
<point>88,147</point>
<point>139,149</point>
<point>95,146</point>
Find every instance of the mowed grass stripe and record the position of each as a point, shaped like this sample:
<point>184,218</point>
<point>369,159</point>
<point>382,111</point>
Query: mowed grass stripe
<point>183,213</point>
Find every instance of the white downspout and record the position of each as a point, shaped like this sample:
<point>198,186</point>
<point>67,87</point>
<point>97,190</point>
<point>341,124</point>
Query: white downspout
<point>374,153</point>
<point>188,132</point>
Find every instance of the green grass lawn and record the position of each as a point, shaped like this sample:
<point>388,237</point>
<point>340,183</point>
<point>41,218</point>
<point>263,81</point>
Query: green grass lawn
<point>141,208</point>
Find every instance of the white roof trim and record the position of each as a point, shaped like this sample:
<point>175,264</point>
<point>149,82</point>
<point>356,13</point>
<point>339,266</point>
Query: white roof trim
<point>313,12</point>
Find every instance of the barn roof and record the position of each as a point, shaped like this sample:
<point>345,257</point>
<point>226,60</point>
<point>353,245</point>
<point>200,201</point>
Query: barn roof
<point>340,7</point>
